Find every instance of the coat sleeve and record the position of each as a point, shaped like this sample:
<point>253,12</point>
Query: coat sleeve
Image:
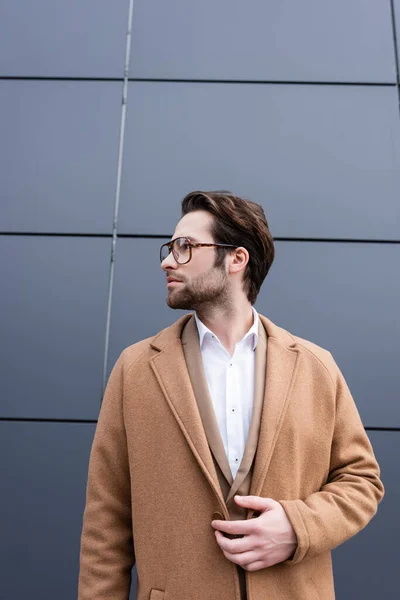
<point>349,499</point>
<point>107,552</point>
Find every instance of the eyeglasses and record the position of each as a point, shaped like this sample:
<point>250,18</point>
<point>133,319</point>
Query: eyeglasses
<point>181,249</point>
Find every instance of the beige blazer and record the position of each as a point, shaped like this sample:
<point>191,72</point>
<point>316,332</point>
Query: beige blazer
<point>153,484</point>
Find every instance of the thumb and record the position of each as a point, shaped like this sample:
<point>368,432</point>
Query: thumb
<point>256,502</point>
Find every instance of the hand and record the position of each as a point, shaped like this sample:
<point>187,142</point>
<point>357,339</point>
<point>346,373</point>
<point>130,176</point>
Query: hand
<point>268,539</point>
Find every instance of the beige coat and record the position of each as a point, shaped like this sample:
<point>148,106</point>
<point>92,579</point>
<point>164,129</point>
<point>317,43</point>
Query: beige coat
<point>157,475</point>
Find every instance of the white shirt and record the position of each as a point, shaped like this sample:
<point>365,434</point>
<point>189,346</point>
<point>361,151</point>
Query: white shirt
<point>231,385</point>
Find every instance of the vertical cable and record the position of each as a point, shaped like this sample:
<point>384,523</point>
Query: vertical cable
<point>118,189</point>
<point>396,50</point>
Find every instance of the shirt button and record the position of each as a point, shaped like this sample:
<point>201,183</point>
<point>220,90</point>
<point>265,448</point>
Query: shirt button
<point>236,460</point>
<point>232,410</point>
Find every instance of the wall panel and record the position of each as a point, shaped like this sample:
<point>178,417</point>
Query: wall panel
<point>53,309</point>
<point>59,161</point>
<point>347,40</point>
<point>317,157</point>
<point>42,503</point>
<point>63,39</point>
<point>366,566</point>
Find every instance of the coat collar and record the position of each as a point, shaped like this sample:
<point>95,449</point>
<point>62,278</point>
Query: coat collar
<point>174,332</point>
<point>170,334</point>
<point>204,331</point>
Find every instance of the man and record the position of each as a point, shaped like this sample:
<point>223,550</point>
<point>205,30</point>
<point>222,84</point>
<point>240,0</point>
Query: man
<point>229,457</point>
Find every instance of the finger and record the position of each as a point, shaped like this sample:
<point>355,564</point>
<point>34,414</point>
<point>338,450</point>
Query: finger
<point>256,502</point>
<point>243,559</point>
<point>237,546</point>
<point>255,566</point>
<point>234,527</point>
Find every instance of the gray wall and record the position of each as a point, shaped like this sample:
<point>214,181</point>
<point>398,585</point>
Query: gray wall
<point>292,104</point>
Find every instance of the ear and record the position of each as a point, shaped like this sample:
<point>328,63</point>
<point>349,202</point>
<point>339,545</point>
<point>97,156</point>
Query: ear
<point>238,260</point>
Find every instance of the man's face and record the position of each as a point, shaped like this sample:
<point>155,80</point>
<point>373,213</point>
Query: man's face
<point>198,283</point>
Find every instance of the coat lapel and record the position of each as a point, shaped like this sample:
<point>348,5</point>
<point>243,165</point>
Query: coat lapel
<point>170,369</point>
<point>282,362</point>
<point>194,361</point>
<point>258,398</point>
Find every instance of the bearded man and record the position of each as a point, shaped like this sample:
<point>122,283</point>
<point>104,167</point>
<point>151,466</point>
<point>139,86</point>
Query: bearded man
<point>229,457</point>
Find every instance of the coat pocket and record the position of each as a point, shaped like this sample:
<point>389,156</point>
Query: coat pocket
<point>157,594</point>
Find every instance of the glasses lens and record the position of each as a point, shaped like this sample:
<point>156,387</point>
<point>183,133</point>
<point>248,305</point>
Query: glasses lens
<point>164,251</point>
<point>181,250</point>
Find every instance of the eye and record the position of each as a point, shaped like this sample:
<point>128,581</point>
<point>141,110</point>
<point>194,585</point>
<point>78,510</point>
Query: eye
<point>183,245</point>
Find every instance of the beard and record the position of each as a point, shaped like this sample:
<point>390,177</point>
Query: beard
<point>210,289</point>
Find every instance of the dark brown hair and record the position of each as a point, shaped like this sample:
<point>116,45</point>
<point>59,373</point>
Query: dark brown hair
<point>238,222</point>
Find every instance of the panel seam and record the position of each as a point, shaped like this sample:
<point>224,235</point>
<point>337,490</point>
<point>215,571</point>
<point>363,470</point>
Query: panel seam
<point>189,80</point>
<point>161,236</point>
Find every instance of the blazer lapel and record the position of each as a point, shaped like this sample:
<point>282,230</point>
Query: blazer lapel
<point>258,398</point>
<point>170,369</point>
<point>282,363</point>
<point>194,362</point>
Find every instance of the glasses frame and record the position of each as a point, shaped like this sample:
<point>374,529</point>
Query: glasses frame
<point>170,246</point>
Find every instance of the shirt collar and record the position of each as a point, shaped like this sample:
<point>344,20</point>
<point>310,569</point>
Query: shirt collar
<point>206,332</point>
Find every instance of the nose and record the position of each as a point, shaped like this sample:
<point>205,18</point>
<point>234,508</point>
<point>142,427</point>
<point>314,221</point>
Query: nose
<point>169,262</point>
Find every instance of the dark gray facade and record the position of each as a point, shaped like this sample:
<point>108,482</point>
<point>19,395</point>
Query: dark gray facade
<point>292,104</point>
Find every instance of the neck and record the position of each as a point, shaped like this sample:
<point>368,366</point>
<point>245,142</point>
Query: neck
<point>229,324</point>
